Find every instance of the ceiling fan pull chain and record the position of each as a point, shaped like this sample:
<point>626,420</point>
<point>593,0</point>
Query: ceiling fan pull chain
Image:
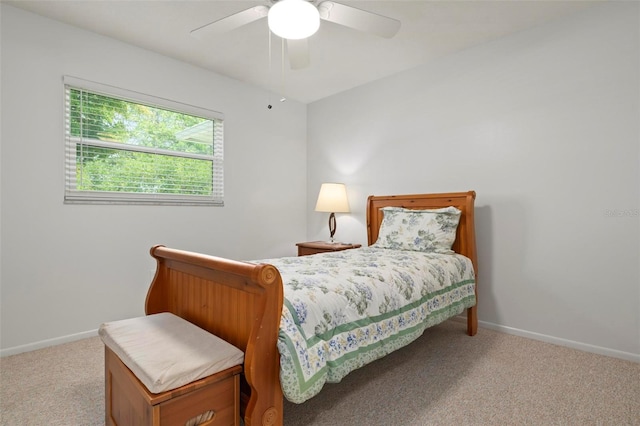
<point>269,42</point>
<point>283,98</point>
<point>269,68</point>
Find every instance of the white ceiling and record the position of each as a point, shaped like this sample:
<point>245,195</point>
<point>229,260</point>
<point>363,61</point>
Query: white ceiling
<point>341,58</point>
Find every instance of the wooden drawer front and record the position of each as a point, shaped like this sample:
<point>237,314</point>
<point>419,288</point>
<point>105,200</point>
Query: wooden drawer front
<point>221,397</point>
<point>305,251</point>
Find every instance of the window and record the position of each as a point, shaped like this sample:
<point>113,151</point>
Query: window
<point>127,147</point>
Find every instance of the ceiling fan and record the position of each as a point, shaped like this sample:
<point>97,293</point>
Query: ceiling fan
<point>296,20</point>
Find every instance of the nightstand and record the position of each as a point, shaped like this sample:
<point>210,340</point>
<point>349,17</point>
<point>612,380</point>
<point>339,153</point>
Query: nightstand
<point>315,247</point>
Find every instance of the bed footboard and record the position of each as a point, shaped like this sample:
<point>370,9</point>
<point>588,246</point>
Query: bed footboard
<point>238,301</point>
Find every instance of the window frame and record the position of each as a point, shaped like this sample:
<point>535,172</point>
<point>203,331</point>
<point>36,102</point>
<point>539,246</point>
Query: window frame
<point>73,195</point>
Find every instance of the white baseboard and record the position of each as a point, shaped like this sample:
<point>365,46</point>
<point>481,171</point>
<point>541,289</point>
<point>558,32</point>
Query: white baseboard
<point>556,340</point>
<point>46,343</point>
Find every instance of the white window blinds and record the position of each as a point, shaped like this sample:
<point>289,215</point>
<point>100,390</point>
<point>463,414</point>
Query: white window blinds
<point>128,147</point>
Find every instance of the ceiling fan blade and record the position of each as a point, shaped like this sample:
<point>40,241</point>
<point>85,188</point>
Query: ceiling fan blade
<point>231,22</point>
<point>359,19</point>
<point>298,53</point>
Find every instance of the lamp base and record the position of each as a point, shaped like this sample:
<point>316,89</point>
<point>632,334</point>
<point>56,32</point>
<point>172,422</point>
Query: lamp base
<point>332,225</point>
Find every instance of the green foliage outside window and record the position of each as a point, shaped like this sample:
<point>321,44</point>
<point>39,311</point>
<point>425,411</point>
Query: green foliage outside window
<point>122,146</point>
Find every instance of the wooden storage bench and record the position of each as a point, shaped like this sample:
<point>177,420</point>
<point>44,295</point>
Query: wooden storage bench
<point>162,370</point>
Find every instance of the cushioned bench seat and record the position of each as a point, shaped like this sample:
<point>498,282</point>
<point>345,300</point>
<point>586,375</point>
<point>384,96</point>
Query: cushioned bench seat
<point>175,361</point>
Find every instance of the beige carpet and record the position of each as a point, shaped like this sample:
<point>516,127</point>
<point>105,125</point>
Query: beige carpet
<point>444,378</point>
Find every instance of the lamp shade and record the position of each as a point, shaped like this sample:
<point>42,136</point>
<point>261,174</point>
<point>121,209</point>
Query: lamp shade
<point>333,198</point>
<point>293,19</point>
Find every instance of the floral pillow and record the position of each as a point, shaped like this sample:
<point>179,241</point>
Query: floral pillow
<point>418,230</point>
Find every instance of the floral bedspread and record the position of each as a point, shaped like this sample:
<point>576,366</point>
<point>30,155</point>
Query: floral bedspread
<point>345,309</point>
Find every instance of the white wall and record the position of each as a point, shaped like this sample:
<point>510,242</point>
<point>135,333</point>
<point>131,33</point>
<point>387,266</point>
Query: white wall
<point>544,125</point>
<point>68,268</point>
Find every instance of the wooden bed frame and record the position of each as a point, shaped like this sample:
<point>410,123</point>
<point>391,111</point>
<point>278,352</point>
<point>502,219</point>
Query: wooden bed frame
<point>242,302</point>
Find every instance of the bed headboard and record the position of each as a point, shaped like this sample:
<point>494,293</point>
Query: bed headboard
<point>465,242</point>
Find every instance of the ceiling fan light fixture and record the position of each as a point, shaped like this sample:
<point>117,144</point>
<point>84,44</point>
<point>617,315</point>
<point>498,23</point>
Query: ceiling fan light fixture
<point>293,19</point>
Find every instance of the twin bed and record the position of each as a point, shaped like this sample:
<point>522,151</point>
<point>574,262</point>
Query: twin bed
<point>305,321</point>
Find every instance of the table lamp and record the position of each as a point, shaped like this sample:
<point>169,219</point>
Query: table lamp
<point>332,199</point>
